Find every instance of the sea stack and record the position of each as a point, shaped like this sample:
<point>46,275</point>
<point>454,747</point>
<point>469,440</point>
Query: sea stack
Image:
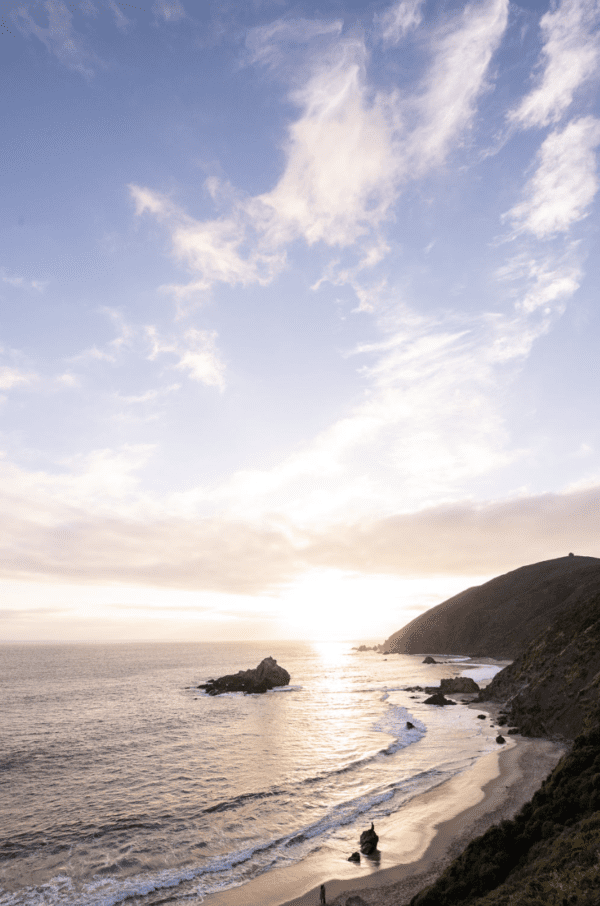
<point>266,676</point>
<point>369,841</point>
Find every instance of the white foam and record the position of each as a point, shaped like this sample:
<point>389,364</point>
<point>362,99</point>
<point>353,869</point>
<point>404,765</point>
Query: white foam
<point>394,722</point>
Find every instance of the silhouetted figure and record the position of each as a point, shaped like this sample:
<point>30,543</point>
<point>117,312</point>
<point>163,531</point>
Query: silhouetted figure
<point>322,900</point>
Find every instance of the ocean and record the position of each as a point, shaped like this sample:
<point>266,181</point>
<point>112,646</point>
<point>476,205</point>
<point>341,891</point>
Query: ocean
<point>121,782</point>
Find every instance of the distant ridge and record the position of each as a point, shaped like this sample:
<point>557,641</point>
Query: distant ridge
<point>500,618</point>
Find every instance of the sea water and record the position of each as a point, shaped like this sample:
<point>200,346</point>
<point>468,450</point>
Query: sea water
<point>122,782</point>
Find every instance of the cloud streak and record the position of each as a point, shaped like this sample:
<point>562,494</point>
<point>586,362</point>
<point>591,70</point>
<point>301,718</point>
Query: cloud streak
<point>564,184</point>
<point>570,57</point>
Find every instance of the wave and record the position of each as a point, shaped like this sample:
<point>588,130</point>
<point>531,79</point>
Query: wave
<point>218,874</point>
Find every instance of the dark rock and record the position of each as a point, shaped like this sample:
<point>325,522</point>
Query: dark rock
<point>266,676</point>
<point>438,699</point>
<point>458,684</point>
<point>369,841</point>
<point>500,739</point>
<point>481,716</point>
<point>355,857</point>
<point>429,660</point>
<point>409,726</point>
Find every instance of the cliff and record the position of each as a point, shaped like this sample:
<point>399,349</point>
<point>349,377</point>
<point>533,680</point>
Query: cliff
<point>502,617</point>
<point>553,688</point>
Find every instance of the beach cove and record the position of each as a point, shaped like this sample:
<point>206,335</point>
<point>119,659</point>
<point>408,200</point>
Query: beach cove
<point>418,841</point>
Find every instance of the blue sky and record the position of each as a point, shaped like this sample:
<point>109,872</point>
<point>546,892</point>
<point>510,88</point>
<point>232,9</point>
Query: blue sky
<point>299,326</point>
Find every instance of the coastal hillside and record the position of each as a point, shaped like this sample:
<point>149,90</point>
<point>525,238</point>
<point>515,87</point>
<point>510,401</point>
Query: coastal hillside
<point>502,617</point>
<point>548,855</point>
<point>553,688</point>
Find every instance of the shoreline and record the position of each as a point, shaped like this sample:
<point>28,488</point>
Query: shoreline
<point>500,782</point>
<point>416,843</point>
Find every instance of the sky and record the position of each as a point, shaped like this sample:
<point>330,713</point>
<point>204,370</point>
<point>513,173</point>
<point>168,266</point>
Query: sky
<point>299,321</point>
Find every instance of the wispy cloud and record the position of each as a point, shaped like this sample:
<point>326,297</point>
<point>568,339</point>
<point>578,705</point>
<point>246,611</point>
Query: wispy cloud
<point>59,37</point>
<point>348,153</point>
<point>570,56</point>
<point>456,80</point>
<point>564,184</point>
<point>169,10</point>
<point>399,19</point>
<point>22,282</point>
<point>196,352</point>
<point>270,45</point>
<point>13,377</point>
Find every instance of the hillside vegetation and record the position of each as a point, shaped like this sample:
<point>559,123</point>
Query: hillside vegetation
<point>502,617</point>
<point>549,854</point>
<point>553,688</point>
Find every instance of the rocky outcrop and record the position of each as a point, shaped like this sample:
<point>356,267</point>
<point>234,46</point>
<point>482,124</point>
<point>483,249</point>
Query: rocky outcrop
<point>501,618</point>
<point>369,841</point>
<point>429,660</point>
<point>553,688</point>
<point>458,684</point>
<point>266,676</point>
<point>438,698</point>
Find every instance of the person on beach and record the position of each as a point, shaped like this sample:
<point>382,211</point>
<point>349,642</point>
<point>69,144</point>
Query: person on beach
<point>322,900</point>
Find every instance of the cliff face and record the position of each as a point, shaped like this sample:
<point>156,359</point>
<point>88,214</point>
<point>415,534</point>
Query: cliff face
<point>553,688</point>
<point>501,618</point>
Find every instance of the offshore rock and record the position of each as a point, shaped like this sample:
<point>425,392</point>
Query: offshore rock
<point>369,841</point>
<point>459,684</point>
<point>429,660</point>
<point>355,857</point>
<point>439,699</point>
<point>266,676</point>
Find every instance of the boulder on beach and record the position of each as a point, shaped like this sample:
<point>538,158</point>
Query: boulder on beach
<point>500,739</point>
<point>355,857</point>
<point>438,698</point>
<point>429,660</point>
<point>369,841</point>
<point>266,676</point>
<point>458,684</point>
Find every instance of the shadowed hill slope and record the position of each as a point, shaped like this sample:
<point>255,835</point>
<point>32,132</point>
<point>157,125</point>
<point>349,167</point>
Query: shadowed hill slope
<point>553,688</point>
<point>548,855</point>
<point>500,618</point>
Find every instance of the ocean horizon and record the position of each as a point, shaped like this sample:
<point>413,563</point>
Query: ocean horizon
<point>125,783</point>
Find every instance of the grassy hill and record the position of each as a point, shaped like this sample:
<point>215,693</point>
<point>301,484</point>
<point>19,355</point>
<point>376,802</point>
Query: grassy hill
<point>500,618</point>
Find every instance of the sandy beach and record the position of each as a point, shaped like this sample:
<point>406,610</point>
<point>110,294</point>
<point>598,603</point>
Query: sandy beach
<point>416,842</point>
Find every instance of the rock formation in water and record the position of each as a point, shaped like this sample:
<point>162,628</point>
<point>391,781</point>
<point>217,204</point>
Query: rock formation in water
<point>438,698</point>
<point>369,841</point>
<point>458,684</point>
<point>266,676</point>
<point>500,619</point>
